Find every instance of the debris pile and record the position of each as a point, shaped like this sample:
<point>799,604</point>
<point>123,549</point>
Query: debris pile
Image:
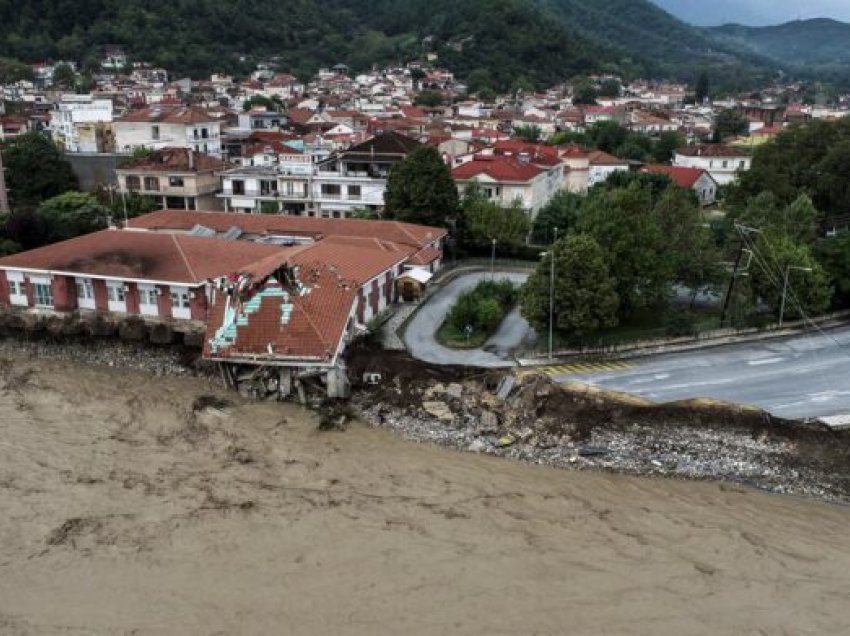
<point>536,420</point>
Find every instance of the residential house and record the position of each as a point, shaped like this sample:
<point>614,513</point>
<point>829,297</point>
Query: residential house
<point>82,123</point>
<point>269,291</point>
<point>506,179</point>
<point>161,126</point>
<point>601,165</point>
<point>176,178</point>
<point>696,179</point>
<point>722,162</point>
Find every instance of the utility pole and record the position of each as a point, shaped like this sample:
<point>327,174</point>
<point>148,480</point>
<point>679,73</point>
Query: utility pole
<point>785,290</point>
<point>4,195</point>
<point>741,249</point>
<point>493,262</point>
<point>552,291</point>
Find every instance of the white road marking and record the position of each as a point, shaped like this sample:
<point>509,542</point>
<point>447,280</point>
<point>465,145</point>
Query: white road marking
<point>756,363</point>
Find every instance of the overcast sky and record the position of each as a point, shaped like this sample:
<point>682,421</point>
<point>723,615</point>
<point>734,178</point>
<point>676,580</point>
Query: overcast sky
<point>755,12</point>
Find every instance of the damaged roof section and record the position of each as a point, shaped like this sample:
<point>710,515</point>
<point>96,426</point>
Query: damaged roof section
<point>295,313</point>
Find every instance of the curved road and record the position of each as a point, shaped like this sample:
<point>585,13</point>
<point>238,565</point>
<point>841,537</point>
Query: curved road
<point>804,376</point>
<point>419,337</point>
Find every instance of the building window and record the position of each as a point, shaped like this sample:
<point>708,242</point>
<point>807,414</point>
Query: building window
<point>43,294</point>
<point>725,164</point>
<point>85,289</point>
<point>175,182</point>
<point>147,296</point>
<point>331,191</point>
<point>155,133</point>
<point>180,300</point>
<point>741,165</point>
<point>268,187</point>
<point>238,186</point>
<point>152,183</point>
<point>115,293</point>
<point>133,183</point>
<point>205,134</point>
<point>354,192</point>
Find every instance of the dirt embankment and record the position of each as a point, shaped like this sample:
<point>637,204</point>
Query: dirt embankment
<point>581,427</point>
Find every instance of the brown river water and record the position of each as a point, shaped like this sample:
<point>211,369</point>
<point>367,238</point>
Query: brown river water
<point>124,511</point>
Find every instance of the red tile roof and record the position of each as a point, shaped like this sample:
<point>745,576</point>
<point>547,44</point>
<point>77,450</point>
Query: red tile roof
<point>711,150</point>
<point>394,231</point>
<point>310,329</point>
<point>175,160</point>
<point>152,256</point>
<point>599,158</point>
<point>497,168</point>
<point>682,177</point>
<point>169,115</point>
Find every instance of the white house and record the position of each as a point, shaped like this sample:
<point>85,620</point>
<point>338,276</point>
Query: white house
<point>160,127</point>
<point>602,165</point>
<point>696,179</point>
<point>74,117</point>
<point>723,163</point>
<point>505,179</point>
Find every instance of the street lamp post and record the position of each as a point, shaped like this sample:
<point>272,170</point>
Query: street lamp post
<point>552,291</point>
<point>785,290</point>
<point>493,261</point>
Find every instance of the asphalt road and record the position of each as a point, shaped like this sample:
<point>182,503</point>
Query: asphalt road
<point>419,335</point>
<point>801,377</point>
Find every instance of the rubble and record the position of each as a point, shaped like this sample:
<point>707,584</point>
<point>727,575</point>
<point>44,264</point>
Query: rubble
<point>546,423</point>
<point>159,361</point>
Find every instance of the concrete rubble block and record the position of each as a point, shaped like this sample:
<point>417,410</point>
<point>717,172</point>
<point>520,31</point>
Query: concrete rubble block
<point>440,410</point>
<point>489,422</point>
<point>436,389</point>
<point>454,391</point>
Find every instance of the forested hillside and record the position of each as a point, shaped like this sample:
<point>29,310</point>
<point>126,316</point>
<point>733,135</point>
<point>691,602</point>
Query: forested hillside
<point>818,48</point>
<point>503,44</point>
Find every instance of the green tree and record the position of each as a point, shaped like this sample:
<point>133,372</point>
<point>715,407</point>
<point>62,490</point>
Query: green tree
<point>72,214</point>
<point>610,88</point>
<point>429,99</point>
<point>529,133</point>
<point>584,93</point>
<point>483,220</point>
<point>585,299</point>
<point>696,261</point>
<point>64,76</point>
<point>730,123</point>
<point>833,253</point>
<point>798,220</point>
<point>35,170</point>
<point>261,101</point>
<point>607,136</point>
<point>561,212</point>
<point>12,71</point>
<point>639,259</point>
<point>808,288</point>
<point>666,145</point>
<point>420,189</point>
<point>702,88</point>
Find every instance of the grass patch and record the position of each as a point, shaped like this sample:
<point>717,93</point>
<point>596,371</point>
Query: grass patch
<point>477,314</point>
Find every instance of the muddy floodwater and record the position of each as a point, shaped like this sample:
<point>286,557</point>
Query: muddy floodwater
<point>136,504</point>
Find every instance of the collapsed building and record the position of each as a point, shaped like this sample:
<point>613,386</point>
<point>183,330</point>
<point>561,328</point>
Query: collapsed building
<point>274,300</point>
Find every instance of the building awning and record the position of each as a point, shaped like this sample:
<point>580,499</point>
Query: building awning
<point>421,276</point>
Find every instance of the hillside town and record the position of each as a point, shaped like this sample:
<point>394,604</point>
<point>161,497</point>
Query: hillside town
<point>463,317</point>
<point>271,143</point>
<point>271,189</point>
